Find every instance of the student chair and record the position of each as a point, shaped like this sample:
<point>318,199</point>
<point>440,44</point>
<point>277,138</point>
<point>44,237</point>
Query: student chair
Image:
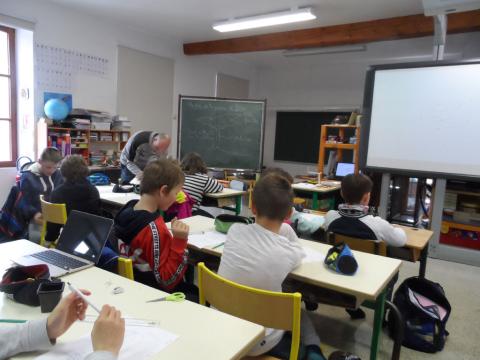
<point>125,267</point>
<point>268,308</point>
<point>376,247</point>
<point>52,213</point>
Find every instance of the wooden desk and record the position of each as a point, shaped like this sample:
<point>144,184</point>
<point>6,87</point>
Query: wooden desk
<point>315,191</point>
<point>114,201</point>
<point>367,285</point>
<point>417,243</point>
<point>203,333</point>
<point>229,193</point>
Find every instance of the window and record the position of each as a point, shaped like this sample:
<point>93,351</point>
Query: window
<point>8,113</point>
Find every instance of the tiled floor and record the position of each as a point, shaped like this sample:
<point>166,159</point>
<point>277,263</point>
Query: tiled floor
<point>462,287</point>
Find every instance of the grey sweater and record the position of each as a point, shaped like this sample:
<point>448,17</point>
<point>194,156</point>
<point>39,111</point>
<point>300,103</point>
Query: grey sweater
<point>32,336</point>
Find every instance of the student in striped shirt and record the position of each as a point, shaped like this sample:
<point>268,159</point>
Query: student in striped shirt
<point>197,182</point>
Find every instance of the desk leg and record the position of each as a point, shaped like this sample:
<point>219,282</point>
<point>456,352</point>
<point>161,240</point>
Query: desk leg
<point>238,204</point>
<point>423,262</point>
<point>377,325</point>
<point>315,201</point>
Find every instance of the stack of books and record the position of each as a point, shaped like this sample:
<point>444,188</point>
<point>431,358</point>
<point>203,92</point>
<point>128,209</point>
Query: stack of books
<point>121,123</point>
<point>100,120</point>
<point>82,124</point>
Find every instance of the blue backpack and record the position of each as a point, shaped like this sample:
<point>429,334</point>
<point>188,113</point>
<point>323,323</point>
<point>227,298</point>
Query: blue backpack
<point>425,311</point>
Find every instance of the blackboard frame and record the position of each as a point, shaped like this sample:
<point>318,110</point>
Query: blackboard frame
<point>210,98</point>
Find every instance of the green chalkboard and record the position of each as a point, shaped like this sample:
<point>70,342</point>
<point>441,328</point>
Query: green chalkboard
<point>226,133</point>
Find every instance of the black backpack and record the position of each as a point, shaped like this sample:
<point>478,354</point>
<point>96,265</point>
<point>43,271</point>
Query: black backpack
<point>425,311</point>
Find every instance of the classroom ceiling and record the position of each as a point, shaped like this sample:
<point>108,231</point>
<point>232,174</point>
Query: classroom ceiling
<point>191,20</point>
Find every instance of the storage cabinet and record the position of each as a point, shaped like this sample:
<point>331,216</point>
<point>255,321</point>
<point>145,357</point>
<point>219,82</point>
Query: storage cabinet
<point>98,147</point>
<point>461,215</point>
<point>336,137</point>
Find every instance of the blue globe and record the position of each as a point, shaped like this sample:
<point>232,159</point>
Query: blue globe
<point>56,109</point>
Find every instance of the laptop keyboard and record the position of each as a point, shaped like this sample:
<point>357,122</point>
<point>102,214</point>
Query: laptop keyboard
<point>60,260</point>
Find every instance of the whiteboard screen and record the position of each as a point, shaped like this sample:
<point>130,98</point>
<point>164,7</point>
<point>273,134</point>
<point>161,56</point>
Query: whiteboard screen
<point>426,120</point>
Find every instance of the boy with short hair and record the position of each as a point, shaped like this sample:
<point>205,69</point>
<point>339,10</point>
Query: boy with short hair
<point>76,192</point>
<point>160,258</point>
<point>305,226</point>
<point>40,179</point>
<point>352,218</point>
<point>261,255</point>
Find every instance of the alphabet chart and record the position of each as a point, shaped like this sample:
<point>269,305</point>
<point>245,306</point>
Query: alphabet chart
<point>56,67</point>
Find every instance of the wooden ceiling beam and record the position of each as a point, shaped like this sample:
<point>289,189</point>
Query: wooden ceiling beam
<point>403,27</point>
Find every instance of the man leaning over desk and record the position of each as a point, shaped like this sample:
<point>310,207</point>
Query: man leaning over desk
<point>139,148</point>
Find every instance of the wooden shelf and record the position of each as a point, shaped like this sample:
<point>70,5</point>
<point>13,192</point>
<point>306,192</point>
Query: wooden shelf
<point>460,226</point>
<point>110,131</point>
<point>339,146</point>
<point>340,126</point>
<point>65,129</point>
<point>461,192</point>
<point>88,143</point>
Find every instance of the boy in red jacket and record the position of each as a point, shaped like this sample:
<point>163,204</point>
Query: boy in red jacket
<point>160,259</point>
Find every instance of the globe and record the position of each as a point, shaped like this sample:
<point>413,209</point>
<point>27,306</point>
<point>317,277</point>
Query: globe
<point>56,109</point>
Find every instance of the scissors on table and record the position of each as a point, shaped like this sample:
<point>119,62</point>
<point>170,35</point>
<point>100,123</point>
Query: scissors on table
<point>175,297</point>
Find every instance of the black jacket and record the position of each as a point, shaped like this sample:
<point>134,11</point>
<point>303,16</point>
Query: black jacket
<point>32,185</point>
<point>129,222</point>
<point>81,196</point>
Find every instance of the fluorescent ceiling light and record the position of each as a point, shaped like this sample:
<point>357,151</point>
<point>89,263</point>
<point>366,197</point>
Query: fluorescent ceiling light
<point>325,50</point>
<point>251,22</point>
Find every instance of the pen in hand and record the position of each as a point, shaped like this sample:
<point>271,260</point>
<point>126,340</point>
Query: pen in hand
<point>79,293</point>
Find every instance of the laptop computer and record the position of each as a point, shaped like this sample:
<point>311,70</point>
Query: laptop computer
<point>344,169</point>
<point>79,246</point>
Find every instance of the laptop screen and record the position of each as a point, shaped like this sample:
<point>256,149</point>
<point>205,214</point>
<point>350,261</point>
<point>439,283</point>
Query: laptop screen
<point>84,235</point>
<point>343,169</point>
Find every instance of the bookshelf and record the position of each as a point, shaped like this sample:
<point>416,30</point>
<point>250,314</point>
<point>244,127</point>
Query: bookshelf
<point>98,147</point>
<point>334,137</point>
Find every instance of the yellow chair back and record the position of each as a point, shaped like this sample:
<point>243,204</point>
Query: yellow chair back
<point>376,247</point>
<point>268,308</point>
<point>125,267</point>
<point>52,213</point>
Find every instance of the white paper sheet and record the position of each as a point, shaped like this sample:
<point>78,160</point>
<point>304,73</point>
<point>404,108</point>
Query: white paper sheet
<point>140,342</point>
<point>207,239</point>
<point>307,185</point>
<point>312,255</point>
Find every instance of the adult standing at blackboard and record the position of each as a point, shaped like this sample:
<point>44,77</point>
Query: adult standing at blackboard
<point>139,149</point>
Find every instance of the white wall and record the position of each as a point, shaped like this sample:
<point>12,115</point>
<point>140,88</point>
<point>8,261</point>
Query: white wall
<point>62,27</point>
<point>336,81</point>
<point>145,88</point>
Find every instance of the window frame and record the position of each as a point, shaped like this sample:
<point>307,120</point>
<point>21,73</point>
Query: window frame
<point>13,97</point>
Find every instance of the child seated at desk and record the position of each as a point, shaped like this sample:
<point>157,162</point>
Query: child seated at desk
<point>76,192</point>
<point>197,182</point>
<point>304,226</point>
<point>160,258</point>
<point>261,255</point>
<point>40,179</point>
<point>352,218</point>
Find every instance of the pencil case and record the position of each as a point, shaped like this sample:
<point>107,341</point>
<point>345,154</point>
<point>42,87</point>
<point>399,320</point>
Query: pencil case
<point>340,259</point>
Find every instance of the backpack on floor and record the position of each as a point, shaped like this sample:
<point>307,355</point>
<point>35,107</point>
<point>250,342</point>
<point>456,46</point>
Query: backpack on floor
<point>425,311</point>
